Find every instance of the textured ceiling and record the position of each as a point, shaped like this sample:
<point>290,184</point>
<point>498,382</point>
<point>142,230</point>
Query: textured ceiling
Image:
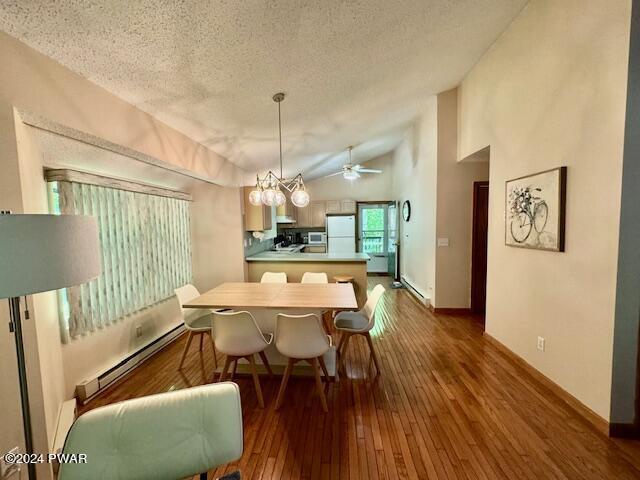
<point>355,72</point>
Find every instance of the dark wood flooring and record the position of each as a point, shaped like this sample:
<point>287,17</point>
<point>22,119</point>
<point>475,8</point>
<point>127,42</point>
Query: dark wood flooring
<point>447,405</point>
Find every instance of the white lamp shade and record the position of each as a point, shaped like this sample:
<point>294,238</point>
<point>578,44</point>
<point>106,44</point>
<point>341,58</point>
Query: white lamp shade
<point>39,253</point>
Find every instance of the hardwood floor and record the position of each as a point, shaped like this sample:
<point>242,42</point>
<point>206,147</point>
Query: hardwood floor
<point>447,405</point>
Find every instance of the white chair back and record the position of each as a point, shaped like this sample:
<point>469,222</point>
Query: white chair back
<point>185,294</point>
<point>314,277</point>
<point>237,334</point>
<point>301,336</point>
<point>274,277</point>
<point>176,434</point>
<point>369,309</point>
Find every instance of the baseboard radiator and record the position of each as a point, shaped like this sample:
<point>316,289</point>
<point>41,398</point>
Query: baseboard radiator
<point>416,293</point>
<point>90,387</point>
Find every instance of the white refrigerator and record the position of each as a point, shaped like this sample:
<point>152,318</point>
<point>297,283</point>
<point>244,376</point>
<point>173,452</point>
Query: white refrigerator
<point>341,234</point>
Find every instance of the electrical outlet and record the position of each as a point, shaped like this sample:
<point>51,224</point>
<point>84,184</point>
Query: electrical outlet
<point>541,344</point>
<point>7,470</point>
<point>138,331</point>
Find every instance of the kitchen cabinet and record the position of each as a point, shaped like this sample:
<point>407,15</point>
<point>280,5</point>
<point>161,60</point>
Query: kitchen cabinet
<point>303,216</point>
<point>333,206</point>
<point>318,214</point>
<point>256,218</point>
<point>315,249</point>
<point>348,206</point>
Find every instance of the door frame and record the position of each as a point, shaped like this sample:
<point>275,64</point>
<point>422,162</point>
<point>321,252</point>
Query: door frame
<point>474,240</point>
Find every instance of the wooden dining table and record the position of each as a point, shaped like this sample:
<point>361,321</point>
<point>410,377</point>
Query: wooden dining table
<point>266,300</point>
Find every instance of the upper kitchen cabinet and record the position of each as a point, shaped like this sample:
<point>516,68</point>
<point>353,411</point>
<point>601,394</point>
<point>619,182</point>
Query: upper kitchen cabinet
<point>318,214</point>
<point>341,206</point>
<point>286,213</point>
<point>303,216</point>
<point>256,218</point>
<point>348,206</point>
<point>333,206</point>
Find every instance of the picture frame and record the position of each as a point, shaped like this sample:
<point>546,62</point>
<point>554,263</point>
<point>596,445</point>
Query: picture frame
<point>535,209</point>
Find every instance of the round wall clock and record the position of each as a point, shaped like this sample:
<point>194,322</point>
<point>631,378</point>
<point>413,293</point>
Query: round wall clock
<point>406,210</point>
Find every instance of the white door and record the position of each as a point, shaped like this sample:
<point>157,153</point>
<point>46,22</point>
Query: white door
<point>342,244</point>
<point>373,235</point>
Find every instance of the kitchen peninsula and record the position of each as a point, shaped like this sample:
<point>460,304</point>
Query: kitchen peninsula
<point>295,264</point>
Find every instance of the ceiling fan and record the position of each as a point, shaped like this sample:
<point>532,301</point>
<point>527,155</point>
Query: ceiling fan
<point>352,172</point>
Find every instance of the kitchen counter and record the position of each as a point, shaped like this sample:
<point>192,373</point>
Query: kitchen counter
<point>272,256</point>
<point>296,264</point>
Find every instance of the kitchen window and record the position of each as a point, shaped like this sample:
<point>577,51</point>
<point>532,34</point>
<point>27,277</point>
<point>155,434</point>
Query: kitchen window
<point>145,245</point>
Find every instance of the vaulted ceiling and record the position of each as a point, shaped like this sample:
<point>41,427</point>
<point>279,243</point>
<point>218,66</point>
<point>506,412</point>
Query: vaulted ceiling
<point>355,72</point>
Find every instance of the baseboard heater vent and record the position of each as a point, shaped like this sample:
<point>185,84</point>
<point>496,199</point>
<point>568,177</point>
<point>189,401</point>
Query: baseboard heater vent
<point>416,293</point>
<point>92,386</point>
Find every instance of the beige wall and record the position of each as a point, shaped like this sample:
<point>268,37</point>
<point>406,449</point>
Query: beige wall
<point>414,179</point>
<point>454,214</point>
<point>369,187</point>
<point>550,92</point>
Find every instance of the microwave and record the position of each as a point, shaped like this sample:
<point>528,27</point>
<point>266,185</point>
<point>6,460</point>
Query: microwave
<point>317,238</point>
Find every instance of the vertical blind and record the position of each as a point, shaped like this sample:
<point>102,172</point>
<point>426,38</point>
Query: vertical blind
<point>146,253</point>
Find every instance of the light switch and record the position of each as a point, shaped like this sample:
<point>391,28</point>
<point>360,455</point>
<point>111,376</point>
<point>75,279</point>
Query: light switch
<point>443,242</point>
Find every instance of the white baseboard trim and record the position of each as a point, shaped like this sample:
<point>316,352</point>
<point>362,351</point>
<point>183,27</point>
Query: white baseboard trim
<point>418,294</point>
<point>90,387</point>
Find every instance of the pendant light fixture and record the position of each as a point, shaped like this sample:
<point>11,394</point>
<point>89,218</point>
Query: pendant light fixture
<point>268,190</point>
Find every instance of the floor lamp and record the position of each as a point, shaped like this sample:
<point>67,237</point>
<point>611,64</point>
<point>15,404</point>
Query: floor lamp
<point>39,253</point>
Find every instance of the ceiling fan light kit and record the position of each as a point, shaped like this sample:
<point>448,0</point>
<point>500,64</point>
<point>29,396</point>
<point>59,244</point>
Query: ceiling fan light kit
<point>352,172</point>
<point>268,190</point>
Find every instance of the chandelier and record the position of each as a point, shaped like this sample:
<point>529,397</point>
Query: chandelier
<point>268,190</point>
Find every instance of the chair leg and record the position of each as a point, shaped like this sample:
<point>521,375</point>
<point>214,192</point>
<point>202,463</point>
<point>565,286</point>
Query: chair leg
<point>234,368</point>
<point>341,342</point>
<point>324,369</point>
<point>283,385</point>
<point>265,362</point>
<point>343,352</point>
<point>256,380</point>
<point>186,349</point>
<point>225,369</point>
<point>201,341</point>
<point>373,352</point>
<point>215,353</point>
<point>316,372</point>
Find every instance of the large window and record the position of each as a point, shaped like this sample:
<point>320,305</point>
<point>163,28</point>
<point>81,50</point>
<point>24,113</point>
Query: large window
<point>146,253</point>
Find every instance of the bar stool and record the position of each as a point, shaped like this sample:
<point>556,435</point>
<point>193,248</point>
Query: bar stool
<point>343,278</point>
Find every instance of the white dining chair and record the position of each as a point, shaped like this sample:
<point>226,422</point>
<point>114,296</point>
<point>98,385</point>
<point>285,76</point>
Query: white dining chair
<point>319,277</point>
<point>314,277</point>
<point>237,335</point>
<point>302,337</point>
<point>274,277</point>
<point>359,323</point>
<point>197,321</point>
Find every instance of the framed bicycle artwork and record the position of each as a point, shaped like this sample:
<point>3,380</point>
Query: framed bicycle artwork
<point>535,210</point>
